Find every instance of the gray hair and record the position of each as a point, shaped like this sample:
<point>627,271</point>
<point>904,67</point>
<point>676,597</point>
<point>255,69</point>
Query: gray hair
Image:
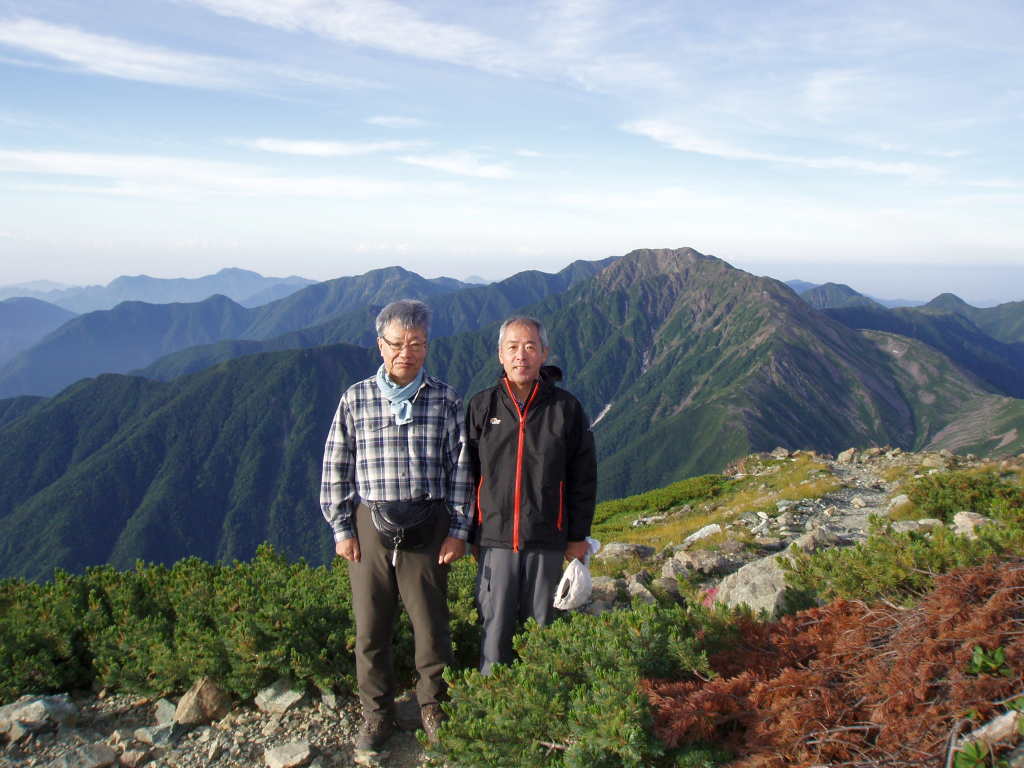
<point>524,320</point>
<point>408,313</point>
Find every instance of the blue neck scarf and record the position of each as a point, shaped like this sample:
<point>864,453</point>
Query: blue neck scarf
<point>399,397</point>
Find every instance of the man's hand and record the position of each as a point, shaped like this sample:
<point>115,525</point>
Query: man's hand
<point>349,549</point>
<point>576,550</point>
<point>451,550</point>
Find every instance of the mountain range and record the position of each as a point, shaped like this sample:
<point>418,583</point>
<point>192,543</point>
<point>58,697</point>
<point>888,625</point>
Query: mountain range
<point>683,363</point>
<point>133,334</point>
<point>248,288</point>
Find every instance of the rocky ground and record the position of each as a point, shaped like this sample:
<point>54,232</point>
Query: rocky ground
<point>284,729</point>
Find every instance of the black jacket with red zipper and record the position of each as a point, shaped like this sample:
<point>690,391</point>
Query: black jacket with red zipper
<point>535,472</point>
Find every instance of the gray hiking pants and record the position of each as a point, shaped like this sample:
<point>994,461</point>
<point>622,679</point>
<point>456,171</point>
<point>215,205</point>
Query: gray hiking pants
<point>512,587</point>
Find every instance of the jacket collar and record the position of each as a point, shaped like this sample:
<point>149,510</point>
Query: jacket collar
<point>549,376</point>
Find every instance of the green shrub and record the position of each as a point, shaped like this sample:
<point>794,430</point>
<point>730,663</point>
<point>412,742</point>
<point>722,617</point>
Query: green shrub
<point>573,697</point>
<point>662,499</point>
<point>154,630</point>
<point>942,495</point>
<point>893,566</point>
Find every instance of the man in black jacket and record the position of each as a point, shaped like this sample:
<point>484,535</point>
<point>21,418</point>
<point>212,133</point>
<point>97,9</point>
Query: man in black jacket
<point>535,472</point>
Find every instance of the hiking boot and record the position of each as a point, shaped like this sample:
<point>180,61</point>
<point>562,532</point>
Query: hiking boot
<point>373,733</point>
<point>432,716</point>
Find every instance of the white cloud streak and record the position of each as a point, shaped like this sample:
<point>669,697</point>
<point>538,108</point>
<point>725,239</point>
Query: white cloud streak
<point>114,57</point>
<point>687,141</point>
<point>174,177</point>
<point>398,122</point>
<point>329,148</point>
<point>462,164</point>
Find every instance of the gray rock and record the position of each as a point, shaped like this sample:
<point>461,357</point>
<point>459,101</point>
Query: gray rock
<point>771,543</point>
<point>905,526</point>
<point>31,709</point>
<point>278,698</point>
<point>732,547</point>
<point>935,462</point>
<point>407,712</point>
<point>623,550</point>
<point>97,755</point>
<point>329,700</point>
<point>606,589</point>
<point>898,501</point>
<point>641,577</point>
<point>667,584</point>
<point>164,711</point>
<point>597,607</point>
<point>760,584</point>
<point>161,735</point>
<point>966,522</point>
<point>780,453</point>
<point>640,592</point>
<point>703,533</point>
<point>289,755</point>
<point>929,524</point>
<point>674,567</point>
<point>135,758</point>
<point>203,703</point>
<point>784,504</point>
<point>819,538</point>
<point>858,503</point>
<point>706,561</point>
<point>846,457</point>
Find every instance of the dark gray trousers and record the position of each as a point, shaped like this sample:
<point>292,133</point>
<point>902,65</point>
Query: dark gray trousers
<point>376,587</point>
<point>512,587</point>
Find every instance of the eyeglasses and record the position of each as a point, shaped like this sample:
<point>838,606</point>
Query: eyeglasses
<point>397,346</point>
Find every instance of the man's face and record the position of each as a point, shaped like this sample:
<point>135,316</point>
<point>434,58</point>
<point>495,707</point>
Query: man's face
<point>402,364</point>
<point>521,354</point>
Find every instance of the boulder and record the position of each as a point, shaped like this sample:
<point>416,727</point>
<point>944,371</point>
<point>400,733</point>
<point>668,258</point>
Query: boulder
<point>203,703</point>
<point>858,503</point>
<point>289,755</point>
<point>934,462</point>
<point>819,538</point>
<point>905,526</point>
<point>97,755</point>
<point>606,589</point>
<point>161,735</point>
<point>898,501</point>
<point>705,561</point>
<point>929,524</point>
<point>639,592</point>
<point>597,607</point>
<point>135,758</point>
<point>33,709</point>
<point>703,533</point>
<point>760,584</point>
<point>164,711</point>
<point>965,523</point>
<point>846,457</point>
<point>278,698</point>
<point>668,584</point>
<point>672,568</point>
<point>623,550</point>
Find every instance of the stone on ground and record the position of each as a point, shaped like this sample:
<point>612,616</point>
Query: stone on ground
<point>203,703</point>
<point>97,755</point>
<point>760,584</point>
<point>289,755</point>
<point>278,698</point>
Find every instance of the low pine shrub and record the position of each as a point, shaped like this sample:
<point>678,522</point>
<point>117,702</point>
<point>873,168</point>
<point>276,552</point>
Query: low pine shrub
<point>573,697</point>
<point>154,630</point>
<point>891,566</point>
<point>662,499</point>
<point>944,494</point>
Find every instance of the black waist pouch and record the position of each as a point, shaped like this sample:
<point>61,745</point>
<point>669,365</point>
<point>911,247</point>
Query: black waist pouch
<point>405,524</point>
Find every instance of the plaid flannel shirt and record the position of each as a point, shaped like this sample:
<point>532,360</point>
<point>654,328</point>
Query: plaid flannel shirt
<point>370,457</point>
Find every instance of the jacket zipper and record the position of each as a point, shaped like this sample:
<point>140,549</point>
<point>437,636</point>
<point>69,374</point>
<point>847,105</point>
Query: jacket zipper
<point>479,511</point>
<point>519,458</point>
<point>560,484</point>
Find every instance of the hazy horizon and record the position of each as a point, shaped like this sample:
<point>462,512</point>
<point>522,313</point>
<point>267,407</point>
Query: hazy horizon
<point>169,137</point>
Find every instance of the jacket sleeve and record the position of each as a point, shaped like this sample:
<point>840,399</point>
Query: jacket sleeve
<point>580,475</point>
<point>338,482</point>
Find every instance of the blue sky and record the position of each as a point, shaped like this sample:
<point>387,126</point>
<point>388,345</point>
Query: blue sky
<point>874,143</point>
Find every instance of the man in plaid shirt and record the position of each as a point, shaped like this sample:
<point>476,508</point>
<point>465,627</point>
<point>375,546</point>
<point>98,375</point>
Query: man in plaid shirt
<point>398,436</point>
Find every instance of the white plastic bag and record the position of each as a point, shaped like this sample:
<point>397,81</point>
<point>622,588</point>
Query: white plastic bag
<point>574,588</point>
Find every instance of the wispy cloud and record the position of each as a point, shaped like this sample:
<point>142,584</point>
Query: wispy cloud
<point>398,122</point>
<point>329,148</point>
<point>687,141</point>
<point>379,24</point>
<point>174,177</point>
<point>114,57</point>
<point>463,164</point>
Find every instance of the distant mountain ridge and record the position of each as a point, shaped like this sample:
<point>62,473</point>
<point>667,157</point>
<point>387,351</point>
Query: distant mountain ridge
<point>835,296</point>
<point>133,334</point>
<point>457,312</point>
<point>24,321</point>
<point>240,285</point>
<point>689,362</point>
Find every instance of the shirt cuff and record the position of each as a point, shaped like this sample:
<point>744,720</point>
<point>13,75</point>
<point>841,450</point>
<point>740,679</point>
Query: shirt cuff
<point>344,531</point>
